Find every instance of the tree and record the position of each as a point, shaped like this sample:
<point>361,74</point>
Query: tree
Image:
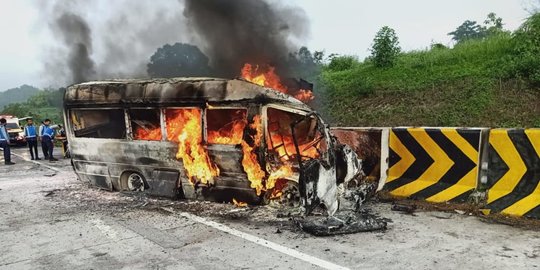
<point>493,24</point>
<point>385,47</point>
<point>178,60</point>
<point>466,31</point>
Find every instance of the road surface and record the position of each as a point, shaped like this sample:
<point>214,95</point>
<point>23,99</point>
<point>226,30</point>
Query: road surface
<point>50,220</point>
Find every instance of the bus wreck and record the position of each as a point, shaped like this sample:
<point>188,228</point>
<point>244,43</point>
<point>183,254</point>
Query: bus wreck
<point>206,139</point>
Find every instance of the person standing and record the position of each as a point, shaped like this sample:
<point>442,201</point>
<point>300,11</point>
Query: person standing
<point>4,142</point>
<point>47,138</point>
<point>30,133</point>
<point>43,145</point>
<point>62,137</point>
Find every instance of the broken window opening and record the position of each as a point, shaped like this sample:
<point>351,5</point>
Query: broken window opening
<point>146,124</point>
<point>225,126</point>
<point>280,140</point>
<point>177,122</point>
<point>311,141</point>
<point>102,124</point>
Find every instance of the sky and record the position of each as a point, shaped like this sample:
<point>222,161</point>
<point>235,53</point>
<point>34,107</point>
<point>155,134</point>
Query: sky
<point>344,27</point>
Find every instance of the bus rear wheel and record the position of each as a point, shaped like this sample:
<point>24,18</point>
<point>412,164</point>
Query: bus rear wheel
<point>132,181</point>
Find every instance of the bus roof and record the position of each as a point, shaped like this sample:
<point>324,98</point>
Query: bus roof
<point>174,91</point>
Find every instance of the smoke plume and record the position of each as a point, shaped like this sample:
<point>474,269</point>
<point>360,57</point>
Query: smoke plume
<point>107,39</point>
<point>115,39</point>
<point>77,37</point>
<point>246,31</point>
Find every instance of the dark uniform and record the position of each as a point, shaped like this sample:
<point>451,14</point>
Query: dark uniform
<point>47,137</point>
<point>30,132</point>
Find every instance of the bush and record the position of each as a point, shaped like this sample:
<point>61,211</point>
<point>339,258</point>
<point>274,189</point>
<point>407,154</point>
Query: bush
<point>341,63</point>
<point>527,49</point>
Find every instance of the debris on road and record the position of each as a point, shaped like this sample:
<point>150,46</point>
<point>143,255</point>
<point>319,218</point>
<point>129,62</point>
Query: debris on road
<point>341,223</point>
<point>407,209</point>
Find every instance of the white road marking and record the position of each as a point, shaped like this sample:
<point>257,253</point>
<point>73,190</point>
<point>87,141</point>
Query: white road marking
<point>38,163</point>
<point>263,242</point>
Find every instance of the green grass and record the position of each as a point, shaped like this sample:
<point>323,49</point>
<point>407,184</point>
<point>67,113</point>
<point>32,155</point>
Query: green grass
<point>467,85</point>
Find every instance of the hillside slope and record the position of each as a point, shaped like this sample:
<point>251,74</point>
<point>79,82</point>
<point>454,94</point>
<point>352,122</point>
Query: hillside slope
<point>15,95</point>
<point>472,84</point>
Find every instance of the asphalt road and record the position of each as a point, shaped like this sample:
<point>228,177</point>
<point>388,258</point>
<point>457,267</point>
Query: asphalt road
<point>50,220</point>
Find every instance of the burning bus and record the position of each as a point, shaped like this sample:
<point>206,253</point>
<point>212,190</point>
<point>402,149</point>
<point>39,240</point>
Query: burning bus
<point>208,139</point>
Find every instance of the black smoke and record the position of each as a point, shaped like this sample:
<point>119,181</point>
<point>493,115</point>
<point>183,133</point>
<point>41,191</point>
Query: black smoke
<point>76,36</point>
<point>246,31</point>
<point>117,42</point>
<point>93,43</point>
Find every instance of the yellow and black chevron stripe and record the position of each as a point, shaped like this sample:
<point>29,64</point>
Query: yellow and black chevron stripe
<point>436,164</point>
<point>514,172</point>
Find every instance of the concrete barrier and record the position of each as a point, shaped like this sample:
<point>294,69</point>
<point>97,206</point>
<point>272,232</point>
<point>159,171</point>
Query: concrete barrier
<point>435,164</point>
<point>514,172</point>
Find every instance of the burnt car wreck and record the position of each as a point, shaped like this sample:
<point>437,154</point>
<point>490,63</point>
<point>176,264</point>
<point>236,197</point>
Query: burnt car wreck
<point>207,139</point>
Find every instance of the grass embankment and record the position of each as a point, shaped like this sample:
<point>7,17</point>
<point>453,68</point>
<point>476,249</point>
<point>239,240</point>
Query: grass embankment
<point>469,85</point>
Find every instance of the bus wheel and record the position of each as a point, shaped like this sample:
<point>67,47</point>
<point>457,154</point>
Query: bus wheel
<point>290,195</point>
<point>133,181</point>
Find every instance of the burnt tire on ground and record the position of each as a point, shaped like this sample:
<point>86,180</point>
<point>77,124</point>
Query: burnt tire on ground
<point>132,181</point>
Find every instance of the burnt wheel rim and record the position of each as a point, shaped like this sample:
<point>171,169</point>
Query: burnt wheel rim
<point>135,182</point>
<point>290,195</point>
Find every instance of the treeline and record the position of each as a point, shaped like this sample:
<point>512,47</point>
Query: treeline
<point>44,104</point>
<point>490,77</point>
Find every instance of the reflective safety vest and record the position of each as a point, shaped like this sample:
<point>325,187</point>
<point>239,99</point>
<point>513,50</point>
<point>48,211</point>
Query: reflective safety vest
<point>30,131</point>
<point>47,131</point>
<point>4,136</point>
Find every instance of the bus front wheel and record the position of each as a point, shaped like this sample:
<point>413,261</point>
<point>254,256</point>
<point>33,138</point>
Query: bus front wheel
<point>132,181</point>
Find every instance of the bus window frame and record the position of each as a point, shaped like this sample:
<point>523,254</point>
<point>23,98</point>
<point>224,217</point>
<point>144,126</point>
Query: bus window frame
<point>205,121</point>
<point>164,117</point>
<point>161,121</point>
<point>71,127</point>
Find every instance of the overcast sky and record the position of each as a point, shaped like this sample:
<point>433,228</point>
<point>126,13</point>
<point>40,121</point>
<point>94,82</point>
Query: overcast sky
<point>337,26</point>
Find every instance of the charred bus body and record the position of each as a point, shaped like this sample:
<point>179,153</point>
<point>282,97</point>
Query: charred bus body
<point>204,138</point>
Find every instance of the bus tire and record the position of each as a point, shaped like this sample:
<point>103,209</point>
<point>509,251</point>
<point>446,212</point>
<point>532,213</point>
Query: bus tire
<point>132,181</point>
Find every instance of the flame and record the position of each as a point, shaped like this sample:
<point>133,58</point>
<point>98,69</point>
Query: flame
<point>184,127</point>
<point>147,134</point>
<point>282,173</point>
<point>270,79</point>
<point>230,134</point>
<point>239,203</point>
<point>304,95</point>
<point>250,161</point>
<point>252,167</point>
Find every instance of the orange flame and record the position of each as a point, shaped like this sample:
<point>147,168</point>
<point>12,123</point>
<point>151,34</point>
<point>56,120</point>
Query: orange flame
<point>239,203</point>
<point>184,127</point>
<point>282,173</point>
<point>147,134</point>
<point>271,80</point>
<point>230,134</point>
<point>250,162</point>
